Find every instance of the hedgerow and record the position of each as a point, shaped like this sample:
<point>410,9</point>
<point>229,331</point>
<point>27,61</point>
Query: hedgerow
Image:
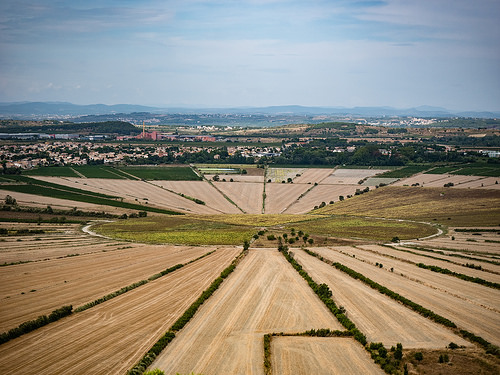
<point>31,325</point>
<point>324,294</point>
<point>446,271</point>
<point>162,343</point>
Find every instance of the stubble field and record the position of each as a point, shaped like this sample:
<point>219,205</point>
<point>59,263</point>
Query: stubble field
<point>264,295</point>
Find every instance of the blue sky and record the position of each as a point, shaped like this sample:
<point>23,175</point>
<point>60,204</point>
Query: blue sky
<point>398,53</point>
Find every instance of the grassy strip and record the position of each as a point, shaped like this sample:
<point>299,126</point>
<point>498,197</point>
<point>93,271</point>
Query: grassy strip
<point>324,295</point>
<point>382,289</point>
<point>490,348</point>
<point>267,354</point>
<point>31,325</point>
<point>459,275</point>
<point>162,343</point>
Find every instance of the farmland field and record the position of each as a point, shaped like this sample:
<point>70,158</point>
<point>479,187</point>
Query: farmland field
<point>112,336</point>
<point>443,294</point>
<point>381,233</point>
<point>265,295</point>
<point>459,207</point>
<point>80,279</point>
<point>246,195</point>
<point>406,326</point>
<point>320,355</point>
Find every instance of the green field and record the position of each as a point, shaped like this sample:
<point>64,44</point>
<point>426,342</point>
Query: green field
<point>473,169</point>
<point>51,172</point>
<point>405,171</point>
<point>363,228</point>
<point>234,229</point>
<point>177,230</point>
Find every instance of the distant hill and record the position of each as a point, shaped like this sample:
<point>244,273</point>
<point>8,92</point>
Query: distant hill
<point>50,109</point>
<point>43,110</point>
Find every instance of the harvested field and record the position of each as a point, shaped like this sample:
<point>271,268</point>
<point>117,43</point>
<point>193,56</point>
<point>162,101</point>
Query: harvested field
<point>474,242</point>
<point>318,194</point>
<point>201,190</point>
<point>59,240</point>
<point>373,312</point>
<point>438,180</point>
<point>110,338</point>
<point>375,181</point>
<point>424,179</point>
<point>79,280</point>
<point>280,196</point>
<point>312,175</point>
<point>321,356</point>
<point>136,192</point>
<point>263,295</point>
<point>350,176</point>
<point>445,295</point>
<point>451,264</point>
<point>32,200</point>
<point>246,195</point>
<point>483,183</point>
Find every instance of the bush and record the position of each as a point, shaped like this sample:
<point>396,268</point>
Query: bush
<point>419,356</point>
<point>271,237</point>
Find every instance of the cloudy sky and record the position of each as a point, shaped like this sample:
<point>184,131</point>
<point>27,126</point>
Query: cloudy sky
<point>399,53</point>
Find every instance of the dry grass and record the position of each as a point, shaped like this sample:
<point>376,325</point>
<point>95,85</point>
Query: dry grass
<point>458,207</point>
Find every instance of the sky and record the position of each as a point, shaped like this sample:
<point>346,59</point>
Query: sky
<point>230,53</point>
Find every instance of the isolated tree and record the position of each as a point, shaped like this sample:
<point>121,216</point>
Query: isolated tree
<point>10,201</point>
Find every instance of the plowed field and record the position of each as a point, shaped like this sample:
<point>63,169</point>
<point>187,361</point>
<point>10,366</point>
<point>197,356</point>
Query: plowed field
<point>281,196</point>
<point>201,190</point>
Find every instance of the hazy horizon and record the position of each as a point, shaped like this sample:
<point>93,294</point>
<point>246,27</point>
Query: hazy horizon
<point>253,53</point>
